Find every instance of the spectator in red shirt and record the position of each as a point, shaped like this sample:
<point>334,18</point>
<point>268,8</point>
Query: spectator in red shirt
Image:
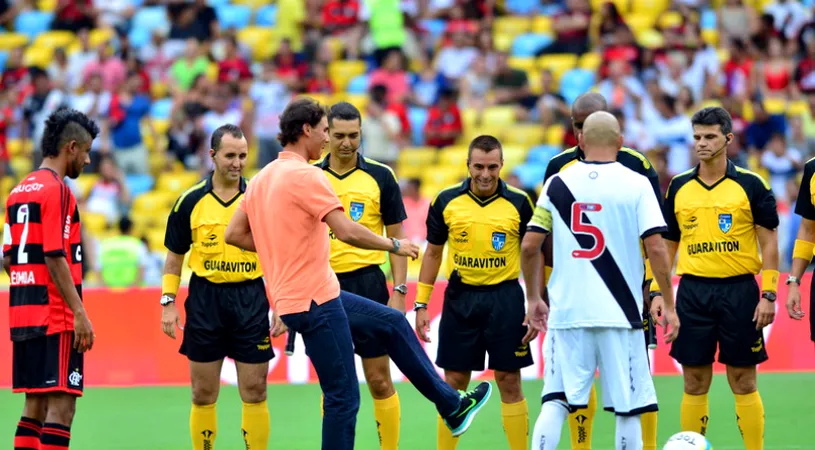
<point>233,68</point>
<point>340,18</point>
<point>74,15</point>
<point>392,75</point>
<point>739,72</point>
<point>805,71</point>
<point>443,125</point>
<point>571,28</point>
<point>15,71</point>
<point>318,82</point>
<point>290,66</point>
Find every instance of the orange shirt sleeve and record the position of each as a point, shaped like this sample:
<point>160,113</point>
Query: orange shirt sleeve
<point>318,197</point>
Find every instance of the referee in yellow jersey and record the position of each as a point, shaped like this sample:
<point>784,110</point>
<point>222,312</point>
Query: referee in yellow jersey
<point>581,422</point>
<point>227,311</point>
<point>722,220</point>
<point>371,197</point>
<point>482,221</point>
<point>803,250</point>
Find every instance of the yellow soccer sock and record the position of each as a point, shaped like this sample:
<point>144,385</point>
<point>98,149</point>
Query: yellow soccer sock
<point>515,417</point>
<point>694,413</point>
<point>649,430</point>
<point>203,426</point>
<point>255,425</point>
<point>444,437</point>
<point>750,418</point>
<point>580,423</point>
<point>388,415</point>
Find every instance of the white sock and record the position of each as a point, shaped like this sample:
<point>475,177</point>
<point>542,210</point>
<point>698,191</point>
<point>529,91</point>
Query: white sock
<point>629,433</point>
<point>546,435</point>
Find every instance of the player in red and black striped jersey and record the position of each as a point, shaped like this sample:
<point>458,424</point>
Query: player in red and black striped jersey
<point>43,257</point>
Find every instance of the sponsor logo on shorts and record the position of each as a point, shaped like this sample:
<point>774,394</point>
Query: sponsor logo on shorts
<point>479,263</point>
<point>713,247</point>
<point>265,345</point>
<point>230,266</point>
<point>75,378</point>
<point>522,351</point>
<point>757,346</point>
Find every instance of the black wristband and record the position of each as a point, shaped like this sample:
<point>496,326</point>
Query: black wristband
<point>651,295</point>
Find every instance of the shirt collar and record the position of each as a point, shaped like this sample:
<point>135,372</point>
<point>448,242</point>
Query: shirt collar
<point>731,171</point>
<point>502,187</point>
<point>361,164</point>
<point>209,186</point>
<point>287,154</point>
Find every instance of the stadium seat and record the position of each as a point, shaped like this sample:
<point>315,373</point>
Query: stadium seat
<point>670,19</point>
<point>139,37</point>
<point>86,182</point>
<point>10,41</point>
<point>258,39</point>
<point>138,184</point>
<point>413,161</point>
<point>99,36</point>
<point>639,22</point>
<point>527,135</point>
<point>358,100</point>
<point>3,59</point>
<point>530,174</point>
<point>443,176</point>
<point>435,27</point>
<point>32,23</point>
<point>558,64</point>
<point>453,156</point>
<point>254,4</point>
<point>711,37</point>
<point>47,5</point>
<point>622,5</point>
<point>797,108</point>
<point>708,19</point>
<point>499,115</point>
<point>503,42</point>
<point>233,16</point>
<point>155,239</point>
<point>554,135</point>
<point>161,108</point>
<point>521,7</point>
<point>526,45</point>
<point>150,18</point>
<point>95,223</point>
<point>417,118</point>
<point>177,182</point>
<point>55,39</point>
<point>650,39</point>
<point>775,105</point>
<point>574,83</point>
<point>542,25</point>
<point>217,3</point>
<point>153,202</point>
<point>653,7</point>
<point>15,147</point>
<point>590,61</point>
<point>514,154</point>
<point>522,63</point>
<point>341,72</point>
<point>36,56</point>
<point>266,16</point>
<point>358,84</point>
<point>542,153</point>
<point>512,25</point>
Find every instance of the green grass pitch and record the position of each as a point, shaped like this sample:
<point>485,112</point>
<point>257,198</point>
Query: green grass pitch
<point>157,418</point>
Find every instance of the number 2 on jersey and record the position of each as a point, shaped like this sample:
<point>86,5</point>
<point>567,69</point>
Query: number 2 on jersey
<point>580,227</point>
<point>22,217</point>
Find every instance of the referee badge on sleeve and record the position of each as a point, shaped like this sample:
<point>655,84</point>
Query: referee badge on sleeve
<point>725,222</point>
<point>498,240</point>
<point>356,210</point>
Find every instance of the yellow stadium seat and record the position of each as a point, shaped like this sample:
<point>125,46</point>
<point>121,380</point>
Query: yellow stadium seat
<point>670,19</point>
<point>511,25</point>
<point>515,154</point>
<point>747,111</point>
<point>542,25</point>
<point>150,202</point>
<point>649,6</point>
<point>38,56</point>
<point>498,115</point>
<point>336,46</point>
<point>554,135</point>
<point>711,37</point>
<point>723,54</point>
<point>7,183</point>
<point>503,42</point>
<point>323,99</point>
<point>535,81</point>
<point>10,41</point>
<point>176,182</point>
<point>86,182</point>
<point>590,61</point>
<point>47,5</point>
<point>55,39</point>
<point>155,239</point>
<point>423,157</point>
<point>254,4</point>
<point>527,135</point>
<point>453,156</point>
<point>94,222</point>
<point>159,89</point>
<point>258,39</point>
<point>358,100</point>
<point>469,117</point>
<point>430,190</point>
<point>558,64</point>
<point>342,72</point>
<point>21,164</point>
<point>797,108</point>
<point>18,147</point>
<point>161,126</point>
<point>99,36</point>
<point>775,105</point>
<point>640,21</point>
<point>650,39</point>
<point>442,176</point>
<point>486,128</point>
<point>524,64</point>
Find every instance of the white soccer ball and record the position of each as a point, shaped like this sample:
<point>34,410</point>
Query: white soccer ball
<point>687,440</point>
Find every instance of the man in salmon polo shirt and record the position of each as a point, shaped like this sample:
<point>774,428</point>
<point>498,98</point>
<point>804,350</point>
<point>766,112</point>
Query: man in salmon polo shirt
<point>284,216</point>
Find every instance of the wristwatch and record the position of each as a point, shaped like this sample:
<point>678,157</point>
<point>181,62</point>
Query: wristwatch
<point>166,300</point>
<point>770,296</point>
<point>417,306</point>
<point>402,289</point>
<point>651,295</point>
<point>396,245</point>
<point>793,279</point>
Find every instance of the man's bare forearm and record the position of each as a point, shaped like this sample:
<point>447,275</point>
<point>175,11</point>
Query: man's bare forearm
<point>768,240</point>
<point>806,233</point>
<point>361,237</point>
<point>431,263</point>
<point>172,266</point>
<point>60,273</point>
<point>661,253</point>
<point>399,264</point>
<point>531,261</point>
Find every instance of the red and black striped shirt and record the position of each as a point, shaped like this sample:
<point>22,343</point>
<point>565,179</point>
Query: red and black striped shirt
<point>42,219</point>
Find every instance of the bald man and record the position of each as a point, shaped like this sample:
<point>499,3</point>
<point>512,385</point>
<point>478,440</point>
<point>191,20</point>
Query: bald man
<point>601,210</point>
<point>581,422</point>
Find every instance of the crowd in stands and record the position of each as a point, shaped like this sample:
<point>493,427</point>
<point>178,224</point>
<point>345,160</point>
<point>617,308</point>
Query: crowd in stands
<point>428,75</point>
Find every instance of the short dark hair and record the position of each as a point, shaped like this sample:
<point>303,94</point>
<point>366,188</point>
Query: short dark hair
<point>220,132</point>
<point>485,143</point>
<point>65,125</point>
<point>298,113</point>
<point>343,111</point>
<point>714,115</point>
<point>125,225</point>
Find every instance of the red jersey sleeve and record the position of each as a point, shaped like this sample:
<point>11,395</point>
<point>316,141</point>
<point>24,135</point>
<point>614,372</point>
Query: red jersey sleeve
<point>54,204</point>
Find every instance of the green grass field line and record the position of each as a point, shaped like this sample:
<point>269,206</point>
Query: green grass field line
<point>157,418</point>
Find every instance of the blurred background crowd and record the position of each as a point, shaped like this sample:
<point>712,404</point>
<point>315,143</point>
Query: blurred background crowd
<point>428,75</point>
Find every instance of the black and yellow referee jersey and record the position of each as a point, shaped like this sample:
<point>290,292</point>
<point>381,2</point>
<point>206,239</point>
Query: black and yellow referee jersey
<point>715,225</point>
<point>805,205</point>
<point>371,196</point>
<point>483,235</point>
<point>197,223</point>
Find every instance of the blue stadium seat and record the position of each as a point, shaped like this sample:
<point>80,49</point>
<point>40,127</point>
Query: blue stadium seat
<point>417,118</point>
<point>32,23</point>
<point>541,154</point>
<point>266,16</point>
<point>708,19</point>
<point>435,27</point>
<point>139,37</point>
<point>138,184</point>
<point>526,45</point>
<point>522,7</point>
<point>575,82</point>
<point>217,3</point>
<point>3,59</point>
<point>234,16</point>
<point>530,174</point>
<point>151,17</point>
<point>358,85</point>
<point>161,109</point>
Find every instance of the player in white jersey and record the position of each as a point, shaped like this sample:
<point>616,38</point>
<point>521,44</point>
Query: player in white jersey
<point>599,210</point>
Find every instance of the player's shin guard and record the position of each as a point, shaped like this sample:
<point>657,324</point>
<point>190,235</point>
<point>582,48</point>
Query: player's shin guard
<point>581,422</point>
<point>55,437</point>
<point>28,433</point>
<point>629,433</point>
<point>546,434</point>
<point>444,437</point>
<point>387,413</point>
<point>255,425</point>
<point>203,427</point>
<point>515,417</point>
<point>649,430</point>
<point>750,418</point>
<point>694,413</point>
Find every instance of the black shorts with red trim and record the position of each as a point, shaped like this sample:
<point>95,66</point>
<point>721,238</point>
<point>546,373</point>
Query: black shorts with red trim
<point>47,364</point>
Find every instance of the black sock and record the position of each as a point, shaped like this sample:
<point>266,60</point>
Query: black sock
<point>28,433</point>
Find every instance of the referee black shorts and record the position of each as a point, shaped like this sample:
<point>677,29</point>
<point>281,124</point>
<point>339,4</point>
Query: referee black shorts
<point>481,320</point>
<point>718,311</point>
<point>227,320</point>
<point>368,282</point>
